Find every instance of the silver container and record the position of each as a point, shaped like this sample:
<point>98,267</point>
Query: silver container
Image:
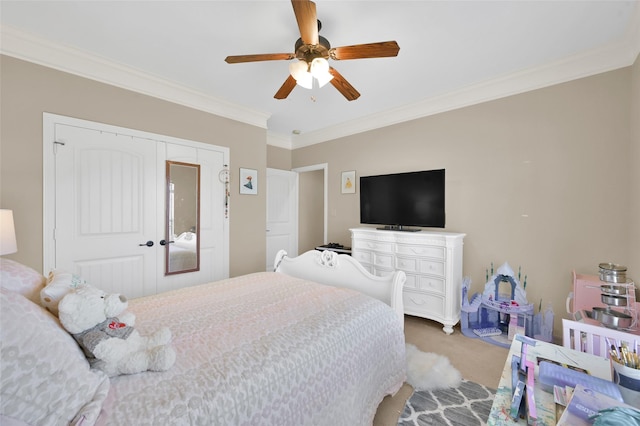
<point>613,289</point>
<point>615,319</point>
<point>596,313</point>
<point>613,273</point>
<point>611,300</point>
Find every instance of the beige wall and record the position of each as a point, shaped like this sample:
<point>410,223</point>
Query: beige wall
<point>28,90</point>
<point>310,210</point>
<point>634,168</point>
<point>541,180</point>
<point>548,180</point>
<point>278,158</point>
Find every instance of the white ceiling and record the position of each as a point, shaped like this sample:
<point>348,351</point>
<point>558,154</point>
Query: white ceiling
<point>452,53</point>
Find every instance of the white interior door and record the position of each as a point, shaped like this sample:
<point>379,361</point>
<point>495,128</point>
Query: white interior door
<point>105,209</point>
<point>214,258</point>
<point>282,214</point>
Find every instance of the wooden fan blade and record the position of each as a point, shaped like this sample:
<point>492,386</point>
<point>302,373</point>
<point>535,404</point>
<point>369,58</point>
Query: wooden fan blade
<point>343,86</point>
<point>286,88</point>
<point>306,16</point>
<point>261,57</point>
<point>382,49</point>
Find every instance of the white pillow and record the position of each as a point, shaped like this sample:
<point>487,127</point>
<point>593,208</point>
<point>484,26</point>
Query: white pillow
<point>18,278</point>
<point>58,285</point>
<point>44,376</point>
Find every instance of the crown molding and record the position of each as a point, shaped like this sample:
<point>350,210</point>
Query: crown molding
<point>279,140</point>
<point>614,56</point>
<point>21,45</point>
<point>34,49</point>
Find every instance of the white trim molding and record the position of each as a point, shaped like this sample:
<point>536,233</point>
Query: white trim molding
<point>21,45</point>
<point>619,54</point>
<point>609,58</point>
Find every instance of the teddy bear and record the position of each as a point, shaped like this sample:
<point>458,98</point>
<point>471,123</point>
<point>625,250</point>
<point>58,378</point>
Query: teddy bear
<point>110,344</point>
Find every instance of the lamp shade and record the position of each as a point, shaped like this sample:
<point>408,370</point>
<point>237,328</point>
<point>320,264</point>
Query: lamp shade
<point>300,71</point>
<point>320,70</point>
<point>7,233</point>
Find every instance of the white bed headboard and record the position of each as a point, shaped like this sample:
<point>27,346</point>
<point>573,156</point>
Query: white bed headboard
<point>341,270</point>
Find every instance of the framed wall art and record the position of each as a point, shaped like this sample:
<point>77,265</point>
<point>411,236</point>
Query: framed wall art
<point>248,181</point>
<point>348,182</point>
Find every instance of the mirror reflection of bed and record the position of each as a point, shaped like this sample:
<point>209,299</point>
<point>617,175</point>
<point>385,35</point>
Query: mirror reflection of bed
<point>182,226</point>
<point>182,252</point>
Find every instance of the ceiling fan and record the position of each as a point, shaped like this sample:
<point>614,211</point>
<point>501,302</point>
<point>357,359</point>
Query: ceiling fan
<point>313,52</point>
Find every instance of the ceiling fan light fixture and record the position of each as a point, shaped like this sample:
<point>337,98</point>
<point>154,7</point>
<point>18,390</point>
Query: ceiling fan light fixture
<point>320,70</point>
<point>299,71</point>
<point>324,79</point>
<point>305,81</point>
<point>298,68</point>
<point>319,66</point>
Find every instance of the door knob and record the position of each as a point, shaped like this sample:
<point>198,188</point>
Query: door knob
<point>165,242</point>
<point>148,244</point>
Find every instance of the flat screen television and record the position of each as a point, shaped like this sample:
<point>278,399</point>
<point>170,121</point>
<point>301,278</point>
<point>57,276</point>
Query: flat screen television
<point>406,199</point>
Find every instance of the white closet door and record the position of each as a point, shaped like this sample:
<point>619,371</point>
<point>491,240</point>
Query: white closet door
<point>213,225</point>
<point>106,209</point>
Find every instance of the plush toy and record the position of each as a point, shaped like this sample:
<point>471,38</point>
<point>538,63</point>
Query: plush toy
<point>110,344</point>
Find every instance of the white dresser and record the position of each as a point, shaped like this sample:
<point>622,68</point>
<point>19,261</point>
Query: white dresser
<point>432,262</point>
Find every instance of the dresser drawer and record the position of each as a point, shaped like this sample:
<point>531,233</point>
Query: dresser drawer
<point>422,251</point>
<point>435,285</point>
<point>383,260</point>
<point>383,246</point>
<point>408,264</point>
<point>431,267</point>
<point>362,256</point>
<point>422,304</point>
<point>381,272</point>
<point>424,283</point>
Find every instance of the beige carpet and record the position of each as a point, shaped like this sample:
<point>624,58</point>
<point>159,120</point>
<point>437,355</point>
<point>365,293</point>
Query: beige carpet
<point>478,361</point>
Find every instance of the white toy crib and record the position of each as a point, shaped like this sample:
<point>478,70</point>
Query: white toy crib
<point>590,338</point>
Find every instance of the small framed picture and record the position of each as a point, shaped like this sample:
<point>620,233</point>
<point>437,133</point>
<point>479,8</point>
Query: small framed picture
<point>348,182</point>
<point>248,181</point>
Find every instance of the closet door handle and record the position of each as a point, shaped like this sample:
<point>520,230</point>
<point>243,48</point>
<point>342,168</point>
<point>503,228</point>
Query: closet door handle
<point>148,244</point>
<point>165,242</point>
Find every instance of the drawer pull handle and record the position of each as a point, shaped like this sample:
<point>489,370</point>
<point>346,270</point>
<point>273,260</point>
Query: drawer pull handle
<point>417,302</point>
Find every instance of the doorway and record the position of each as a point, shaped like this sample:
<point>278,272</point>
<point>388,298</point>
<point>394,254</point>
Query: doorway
<point>311,214</point>
<point>313,205</point>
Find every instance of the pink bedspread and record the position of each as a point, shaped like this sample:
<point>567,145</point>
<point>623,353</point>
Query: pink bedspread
<point>264,349</point>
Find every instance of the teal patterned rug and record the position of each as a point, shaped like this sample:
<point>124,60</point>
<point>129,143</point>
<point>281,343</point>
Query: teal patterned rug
<point>467,405</point>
